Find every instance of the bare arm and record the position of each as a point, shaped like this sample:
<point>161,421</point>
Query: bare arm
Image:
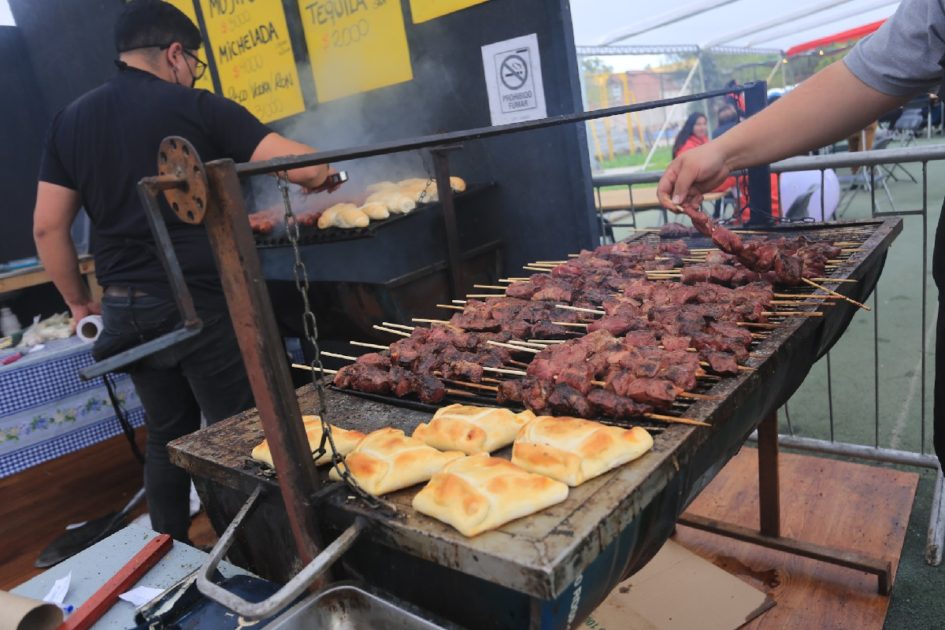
<point>830,105</point>
<point>56,207</point>
<point>275,145</point>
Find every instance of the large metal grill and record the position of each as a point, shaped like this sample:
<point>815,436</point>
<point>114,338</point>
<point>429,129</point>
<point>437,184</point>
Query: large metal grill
<point>619,519</point>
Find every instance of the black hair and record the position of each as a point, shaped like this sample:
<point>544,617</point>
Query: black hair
<point>154,23</point>
<point>726,113</point>
<point>686,131</point>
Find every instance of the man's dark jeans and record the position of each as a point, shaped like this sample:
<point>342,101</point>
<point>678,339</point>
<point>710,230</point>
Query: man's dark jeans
<point>202,374</point>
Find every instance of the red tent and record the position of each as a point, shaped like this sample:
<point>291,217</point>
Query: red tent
<point>845,36</point>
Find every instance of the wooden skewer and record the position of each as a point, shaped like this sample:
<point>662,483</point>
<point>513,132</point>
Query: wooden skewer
<point>580,310</point>
<point>392,325</point>
<point>823,288</point>
<point>391,330</point>
<point>847,280</point>
<point>488,286</point>
<point>488,388</point>
<point>572,324</point>
<point>459,392</point>
<point>505,371</point>
<point>512,347</point>
<point>457,301</point>
<point>364,344</point>
<point>806,296</point>
<point>302,366</point>
<point>547,341</point>
<point>527,344</point>
<point>489,379</point>
<point>439,322</point>
<point>741,368</point>
<point>335,355</point>
<point>675,420</point>
<point>484,295</point>
<point>550,262</point>
<point>452,307</point>
<point>530,268</point>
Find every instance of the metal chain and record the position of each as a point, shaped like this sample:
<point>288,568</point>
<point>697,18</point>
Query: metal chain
<point>310,330</point>
<point>431,180</point>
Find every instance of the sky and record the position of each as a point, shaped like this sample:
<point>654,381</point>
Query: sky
<point>6,18</point>
<point>594,19</point>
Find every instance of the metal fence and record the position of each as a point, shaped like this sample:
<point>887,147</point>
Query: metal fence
<point>877,169</point>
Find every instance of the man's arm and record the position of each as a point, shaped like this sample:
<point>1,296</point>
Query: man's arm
<point>275,145</point>
<point>56,207</point>
<point>830,105</point>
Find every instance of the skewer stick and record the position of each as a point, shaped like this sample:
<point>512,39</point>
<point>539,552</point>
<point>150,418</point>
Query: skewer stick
<point>488,388</point>
<point>512,347</point>
<point>756,325</point>
<point>505,371</point>
<point>391,331</point>
<point>580,310</point>
<point>741,368</point>
<point>364,344</point>
<point>488,286</point>
<point>459,392</point>
<point>530,268</point>
<point>404,326</point>
<point>457,301</point>
<point>823,288</point>
<point>302,366</point>
<point>527,344</point>
<point>806,296</point>
<point>452,307</point>
<point>675,420</point>
<point>423,320</point>
<point>572,324</point>
<point>546,341</point>
<point>482,296</point>
<point>847,280</point>
<point>518,363</point>
<point>335,355</point>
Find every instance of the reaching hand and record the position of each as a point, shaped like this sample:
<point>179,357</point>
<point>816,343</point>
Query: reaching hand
<point>83,310</point>
<point>319,183</point>
<point>690,175</point>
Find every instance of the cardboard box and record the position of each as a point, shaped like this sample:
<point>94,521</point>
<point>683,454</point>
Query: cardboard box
<point>679,590</point>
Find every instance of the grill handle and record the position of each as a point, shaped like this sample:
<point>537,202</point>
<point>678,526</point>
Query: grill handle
<point>254,611</point>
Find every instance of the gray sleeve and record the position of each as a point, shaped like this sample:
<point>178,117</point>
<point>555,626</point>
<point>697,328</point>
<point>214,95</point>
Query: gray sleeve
<point>902,57</point>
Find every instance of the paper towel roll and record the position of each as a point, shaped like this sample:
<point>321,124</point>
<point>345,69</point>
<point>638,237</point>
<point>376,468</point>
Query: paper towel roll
<point>23,613</point>
<point>89,328</point>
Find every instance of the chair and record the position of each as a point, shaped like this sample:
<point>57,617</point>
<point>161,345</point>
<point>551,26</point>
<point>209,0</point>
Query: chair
<point>882,142</point>
<point>798,209</point>
<point>908,125</point>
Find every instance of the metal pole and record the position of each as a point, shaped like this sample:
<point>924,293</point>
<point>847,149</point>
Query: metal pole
<point>759,177</point>
<point>261,346</point>
<point>672,112</point>
<point>454,255</point>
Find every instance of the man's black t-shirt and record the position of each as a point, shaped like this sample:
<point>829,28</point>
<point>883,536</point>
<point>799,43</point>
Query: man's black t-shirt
<point>103,143</point>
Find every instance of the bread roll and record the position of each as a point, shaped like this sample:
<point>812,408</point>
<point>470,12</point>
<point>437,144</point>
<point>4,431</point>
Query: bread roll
<point>352,216</point>
<point>472,429</point>
<point>396,202</point>
<point>376,211</point>
<point>573,450</point>
<point>327,218</point>
<point>479,493</point>
<point>387,460</point>
<point>457,184</point>
<point>345,441</point>
<point>379,186</point>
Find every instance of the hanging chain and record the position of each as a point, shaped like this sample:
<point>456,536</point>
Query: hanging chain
<point>431,180</point>
<point>310,330</point>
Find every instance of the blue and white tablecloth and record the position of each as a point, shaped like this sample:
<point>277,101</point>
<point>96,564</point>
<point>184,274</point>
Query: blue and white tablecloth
<point>46,410</point>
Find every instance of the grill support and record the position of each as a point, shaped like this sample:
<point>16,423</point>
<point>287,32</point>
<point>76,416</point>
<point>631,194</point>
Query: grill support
<point>769,508</point>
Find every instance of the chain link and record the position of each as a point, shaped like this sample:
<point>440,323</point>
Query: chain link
<point>310,330</point>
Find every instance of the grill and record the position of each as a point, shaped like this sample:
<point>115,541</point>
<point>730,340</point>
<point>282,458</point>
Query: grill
<point>555,566</point>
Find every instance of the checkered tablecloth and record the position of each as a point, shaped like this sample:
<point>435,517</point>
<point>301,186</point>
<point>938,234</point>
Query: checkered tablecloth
<point>46,410</point>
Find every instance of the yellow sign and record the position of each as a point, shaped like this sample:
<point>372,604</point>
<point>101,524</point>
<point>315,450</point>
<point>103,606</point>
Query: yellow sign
<point>355,45</point>
<point>251,47</point>
<point>187,7</point>
<point>423,10</point>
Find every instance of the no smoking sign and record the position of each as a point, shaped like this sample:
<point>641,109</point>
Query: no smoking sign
<point>513,80</point>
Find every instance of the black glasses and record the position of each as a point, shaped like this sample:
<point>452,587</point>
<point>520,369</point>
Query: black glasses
<point>201,66</point>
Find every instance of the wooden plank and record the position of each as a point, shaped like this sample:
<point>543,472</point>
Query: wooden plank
<point>829,502</point>
<point>36,275</point>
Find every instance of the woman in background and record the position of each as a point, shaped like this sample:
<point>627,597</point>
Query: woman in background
<point>694,133</point>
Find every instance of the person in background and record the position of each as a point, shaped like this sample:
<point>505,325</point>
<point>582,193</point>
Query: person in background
<point>904,57</point>
<point>694,133</point>
<point>97,149</point>
<point>727,116</point>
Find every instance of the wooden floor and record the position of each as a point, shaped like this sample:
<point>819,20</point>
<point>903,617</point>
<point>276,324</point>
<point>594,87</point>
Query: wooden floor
<point>844,505</point>
<point>38,503</point>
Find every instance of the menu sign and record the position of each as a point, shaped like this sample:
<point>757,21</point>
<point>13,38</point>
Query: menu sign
<point>251,47</point>
<point>355,45</point>
<point>187,7</point>
<point>424,10</point>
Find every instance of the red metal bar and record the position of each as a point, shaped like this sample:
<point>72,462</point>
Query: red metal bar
<point>104,598</point>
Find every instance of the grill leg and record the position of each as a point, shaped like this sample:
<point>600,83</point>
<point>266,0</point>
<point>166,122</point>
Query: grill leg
<point>769,503</point>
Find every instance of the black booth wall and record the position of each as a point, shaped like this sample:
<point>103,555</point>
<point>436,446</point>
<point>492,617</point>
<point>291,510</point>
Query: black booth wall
<point>543,178</point>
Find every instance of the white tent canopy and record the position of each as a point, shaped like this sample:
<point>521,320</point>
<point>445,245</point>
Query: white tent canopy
<point>737,24</point>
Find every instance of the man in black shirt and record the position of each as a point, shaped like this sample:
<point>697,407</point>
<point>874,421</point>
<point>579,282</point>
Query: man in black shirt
<point>97,149</point>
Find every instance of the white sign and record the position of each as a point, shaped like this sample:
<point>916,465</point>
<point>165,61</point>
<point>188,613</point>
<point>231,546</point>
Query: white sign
<point>513,80</point>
